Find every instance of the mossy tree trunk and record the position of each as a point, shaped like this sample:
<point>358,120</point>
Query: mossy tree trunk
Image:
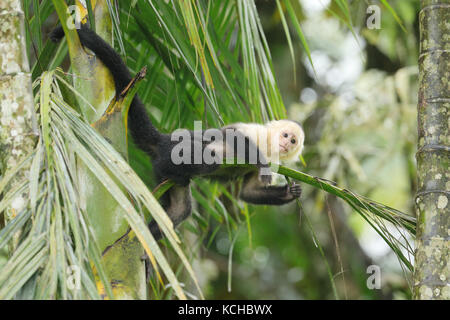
<point>17,120</point>
<point>432,258</point>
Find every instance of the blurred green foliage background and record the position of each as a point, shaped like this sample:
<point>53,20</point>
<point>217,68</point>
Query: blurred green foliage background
<point>359,113</point>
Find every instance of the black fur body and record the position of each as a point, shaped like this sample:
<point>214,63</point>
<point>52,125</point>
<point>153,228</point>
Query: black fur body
<point>159,146</point>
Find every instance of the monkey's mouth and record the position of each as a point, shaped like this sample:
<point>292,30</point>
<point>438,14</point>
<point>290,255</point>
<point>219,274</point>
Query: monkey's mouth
<point>283,149</point>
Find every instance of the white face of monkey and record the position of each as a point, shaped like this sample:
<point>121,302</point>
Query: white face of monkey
<point>288,141</point>
<point>290,138</point>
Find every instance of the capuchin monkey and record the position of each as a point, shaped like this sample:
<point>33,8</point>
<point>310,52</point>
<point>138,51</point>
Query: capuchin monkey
<point>184,154</point>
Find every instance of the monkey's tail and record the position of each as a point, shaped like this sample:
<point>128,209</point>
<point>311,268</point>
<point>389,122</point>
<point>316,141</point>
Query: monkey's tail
<point>144,134</point>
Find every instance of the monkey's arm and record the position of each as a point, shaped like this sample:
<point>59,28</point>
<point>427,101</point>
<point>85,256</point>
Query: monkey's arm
<point>254,191</point>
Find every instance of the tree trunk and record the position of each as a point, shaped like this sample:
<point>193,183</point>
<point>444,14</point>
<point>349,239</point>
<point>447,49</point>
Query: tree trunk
<point>432,258</point>
<point>17,117</point>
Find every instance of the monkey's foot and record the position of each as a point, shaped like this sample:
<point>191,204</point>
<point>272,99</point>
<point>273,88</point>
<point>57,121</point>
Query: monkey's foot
<point>295,191</point>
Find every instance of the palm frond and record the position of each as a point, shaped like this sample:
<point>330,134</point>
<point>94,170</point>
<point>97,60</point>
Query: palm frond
<point>56,216</point>
<point>376,214</point>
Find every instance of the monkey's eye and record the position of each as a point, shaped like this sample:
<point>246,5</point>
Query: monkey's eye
<point>293,141</point>
<point>285,135</point>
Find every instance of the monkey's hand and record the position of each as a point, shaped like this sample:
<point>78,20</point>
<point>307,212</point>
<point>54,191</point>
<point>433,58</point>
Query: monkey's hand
<point>294,191</point>
<point>265,175</point>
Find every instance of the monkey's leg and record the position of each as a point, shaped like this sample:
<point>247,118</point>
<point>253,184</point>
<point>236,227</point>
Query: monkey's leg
<point>254,191</point>
<point>177,203</point>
